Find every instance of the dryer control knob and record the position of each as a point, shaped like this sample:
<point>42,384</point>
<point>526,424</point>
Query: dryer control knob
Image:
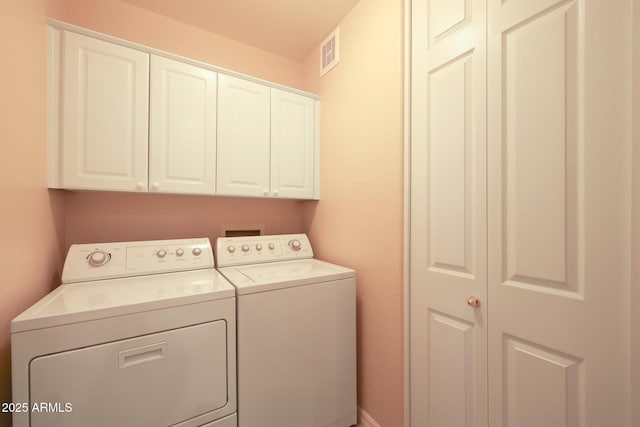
<point>179,251</point>
<point>161,253</point>
<point>272,246</point>
<point>295,244</point>
<point>98,258</point>
<point>245,248</point>
<point>196,251</point>
<point>231,249</point>
<point>258,247</point>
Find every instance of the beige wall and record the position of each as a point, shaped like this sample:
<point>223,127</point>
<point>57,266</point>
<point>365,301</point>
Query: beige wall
<point>359,218</point>
<point>139,25</point>
<point>103,217</point>
<point>31,217</point>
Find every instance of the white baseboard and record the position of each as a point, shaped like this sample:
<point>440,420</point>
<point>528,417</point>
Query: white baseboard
<point>365,420</point>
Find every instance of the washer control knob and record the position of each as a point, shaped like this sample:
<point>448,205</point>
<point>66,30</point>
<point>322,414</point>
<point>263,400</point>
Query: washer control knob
<point>258,247</point>
<point>231,249</point>
<point>179,252</point>
<point>295,244</point>
<point>98,258</point>
<point>272,246</point>
<point>161,253</point>
<point>196,251</point>
<point>245,248</point>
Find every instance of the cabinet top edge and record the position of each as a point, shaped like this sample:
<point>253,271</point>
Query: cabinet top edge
<point>147,49</point>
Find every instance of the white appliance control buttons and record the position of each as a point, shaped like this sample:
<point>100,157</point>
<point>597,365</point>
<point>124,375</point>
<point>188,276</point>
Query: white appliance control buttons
<point>295,244</point>
<point>243,250</point>
<point>125,259</point>
<point>98,258</point>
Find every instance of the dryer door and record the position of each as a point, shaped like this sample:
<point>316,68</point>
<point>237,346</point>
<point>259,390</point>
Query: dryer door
<point>153,380</point>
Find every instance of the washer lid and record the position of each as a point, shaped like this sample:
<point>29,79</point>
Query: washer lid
<point>250,279</point>
<point>80,302</point>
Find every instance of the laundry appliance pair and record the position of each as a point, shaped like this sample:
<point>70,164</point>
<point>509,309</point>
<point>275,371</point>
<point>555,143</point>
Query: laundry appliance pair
<point>151,334</point>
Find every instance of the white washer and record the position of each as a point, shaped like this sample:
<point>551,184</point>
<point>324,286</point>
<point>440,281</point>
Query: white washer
<point>138,334</point>
<point>296,333</point>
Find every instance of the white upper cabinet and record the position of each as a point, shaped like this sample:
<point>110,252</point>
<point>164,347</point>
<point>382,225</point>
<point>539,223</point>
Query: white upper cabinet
<point>105,94</point>
<point>266,141</point>
<point>243,137</point>
<point>293,137</point>
<point>182,128</point>
<point>124,117</point>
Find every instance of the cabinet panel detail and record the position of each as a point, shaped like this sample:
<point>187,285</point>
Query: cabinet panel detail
<point>182,145</point>
<point>105,96</point>
<point>243,138</point>
<point>292,145</point>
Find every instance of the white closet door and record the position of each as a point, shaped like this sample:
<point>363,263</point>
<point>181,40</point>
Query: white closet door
<point>448,214</point>
<point>558,223</point>
<point>182,147</point>
<point>105,115</point>
<point>292,145</point>
<point>243,138</point>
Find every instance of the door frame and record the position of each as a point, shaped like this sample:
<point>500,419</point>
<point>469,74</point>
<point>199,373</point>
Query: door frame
<point>634,299</point>
<point>406,253</point>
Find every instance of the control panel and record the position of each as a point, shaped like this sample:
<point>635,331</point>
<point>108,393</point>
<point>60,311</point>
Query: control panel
<point>99,261</point>
<point>232,251</point>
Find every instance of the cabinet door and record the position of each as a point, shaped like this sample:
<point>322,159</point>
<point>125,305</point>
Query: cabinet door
<point>243,138</point>
<point>292,145</point>
<point>105,115</point>
<point>182,139</point>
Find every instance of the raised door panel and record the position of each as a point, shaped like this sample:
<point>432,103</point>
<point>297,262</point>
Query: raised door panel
<point>243,164</point>
<point>542,386</point>
<point>292,145</point>
<point>452,370</point>
<point>182,139</point>
<point>556,233</point>
<point>448,214</point>
<point>105,115</point>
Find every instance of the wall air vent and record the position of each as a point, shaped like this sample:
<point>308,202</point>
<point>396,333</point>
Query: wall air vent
<point>330,52</point>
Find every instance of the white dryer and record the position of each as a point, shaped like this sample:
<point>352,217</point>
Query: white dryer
<point>138,334</point>
<point>296,333</point>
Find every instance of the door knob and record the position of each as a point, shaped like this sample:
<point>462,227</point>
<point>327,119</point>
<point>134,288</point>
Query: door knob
<point>473,301</point>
